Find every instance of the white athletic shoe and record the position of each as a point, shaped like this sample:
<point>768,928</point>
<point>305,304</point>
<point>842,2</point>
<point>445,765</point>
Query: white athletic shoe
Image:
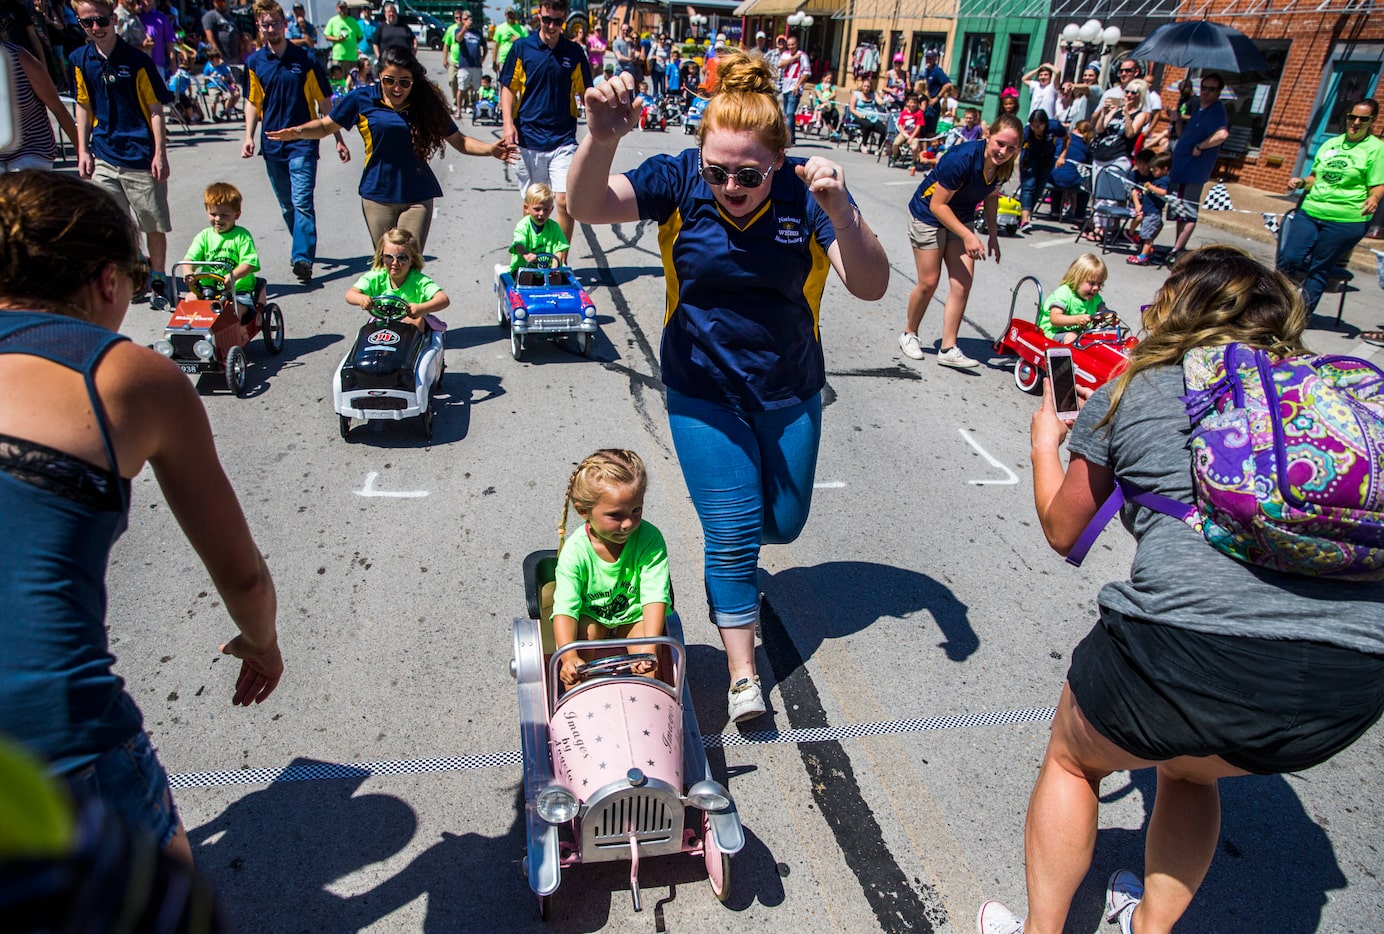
<point>995,918</point>
<point>1122,894</point>
<point>745,700</point>
<point>953,357</point>
<point>910,345</point>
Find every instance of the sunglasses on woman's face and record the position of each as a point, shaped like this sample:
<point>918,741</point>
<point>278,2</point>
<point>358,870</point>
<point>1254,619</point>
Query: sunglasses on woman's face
<point>1357,118</point>
<point>391,82</point>
<point>138,271</point>
<point>93,22</point>
<point>747,177</point>
<point>394,257</point>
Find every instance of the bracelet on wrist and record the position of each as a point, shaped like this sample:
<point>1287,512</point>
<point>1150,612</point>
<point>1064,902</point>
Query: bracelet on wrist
<point>855,219</point>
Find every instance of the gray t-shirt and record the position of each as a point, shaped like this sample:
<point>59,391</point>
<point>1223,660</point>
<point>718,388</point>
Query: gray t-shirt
<point>1177,578</point>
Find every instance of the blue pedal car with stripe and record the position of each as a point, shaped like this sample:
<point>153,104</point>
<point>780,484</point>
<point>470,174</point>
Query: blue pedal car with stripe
<point>544,301</point>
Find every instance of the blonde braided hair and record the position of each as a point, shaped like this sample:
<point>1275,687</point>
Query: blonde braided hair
<point>606,469</point>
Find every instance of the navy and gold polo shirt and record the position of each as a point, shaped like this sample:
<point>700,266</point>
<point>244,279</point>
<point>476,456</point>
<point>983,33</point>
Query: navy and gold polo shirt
<point>393,173</point>
<point>287,91</point>
<point>961,170</point>
<point>120,92</point>
<point>741,323</point>
<point>546,83</point>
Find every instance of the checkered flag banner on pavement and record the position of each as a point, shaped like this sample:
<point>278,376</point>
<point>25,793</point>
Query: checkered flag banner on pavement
<point>1271,223</point>
<point>1218,199</point>
<point>1379,267</point>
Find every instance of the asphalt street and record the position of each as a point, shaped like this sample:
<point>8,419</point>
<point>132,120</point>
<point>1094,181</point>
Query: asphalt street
<point>920,619</point>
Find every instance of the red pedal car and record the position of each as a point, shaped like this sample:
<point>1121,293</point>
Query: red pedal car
<point>1099,355</point>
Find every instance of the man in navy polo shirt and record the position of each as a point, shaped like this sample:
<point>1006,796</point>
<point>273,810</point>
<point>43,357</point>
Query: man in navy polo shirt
<point>120,130</point>
<point>542,78</point>
<point>286,86</point>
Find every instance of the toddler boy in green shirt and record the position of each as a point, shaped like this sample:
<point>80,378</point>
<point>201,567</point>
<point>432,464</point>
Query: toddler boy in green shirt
<point>225,241</point>
<point>537,232</point>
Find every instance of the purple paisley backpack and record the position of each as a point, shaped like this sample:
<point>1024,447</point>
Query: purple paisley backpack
<point>1287,462</point>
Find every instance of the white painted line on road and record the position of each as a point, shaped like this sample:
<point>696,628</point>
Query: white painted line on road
<point>829,485</point>
<point>896,184</point>
<point>319,771</point>
<point>1047,243</point>
<point>369,489</point>
<point>1011,477</point>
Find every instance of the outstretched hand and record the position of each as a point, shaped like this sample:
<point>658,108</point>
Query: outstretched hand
<point>260,670</point>
<point>612,108</point>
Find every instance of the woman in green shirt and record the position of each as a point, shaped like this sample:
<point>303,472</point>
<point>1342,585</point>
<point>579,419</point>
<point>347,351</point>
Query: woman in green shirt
<point>1343,191</point>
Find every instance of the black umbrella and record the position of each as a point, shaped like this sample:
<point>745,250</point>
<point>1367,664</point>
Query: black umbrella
<point>1201,44</point>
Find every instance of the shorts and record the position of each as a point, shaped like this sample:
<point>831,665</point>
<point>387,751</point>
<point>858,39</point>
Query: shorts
<point>928,236</point>
<point>137,192</point>
<point>20,163</point>
<point>1264,705</point>
<point>131,784</point>
<point>547,167</point>
<point>1186,209</point>
<point>469,77</point>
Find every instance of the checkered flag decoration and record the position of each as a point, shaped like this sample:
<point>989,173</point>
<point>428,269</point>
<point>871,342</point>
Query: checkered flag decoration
<point>1271,223</point>
<point>1379,267</point>
<point>1218,199</point>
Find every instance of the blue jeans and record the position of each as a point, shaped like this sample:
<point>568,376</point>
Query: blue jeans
<point>659,79</point>
<point>1032,181</point>
<point>790,110</point>
<point>1311,248</point>
<point>130,783</point>
<point>750,478</point>
<point>293,181</point>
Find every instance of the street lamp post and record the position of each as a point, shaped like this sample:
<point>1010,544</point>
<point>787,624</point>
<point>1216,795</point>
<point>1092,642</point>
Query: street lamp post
<point>1092,35</point>
<point>696,21</point>
<point>802,21</point>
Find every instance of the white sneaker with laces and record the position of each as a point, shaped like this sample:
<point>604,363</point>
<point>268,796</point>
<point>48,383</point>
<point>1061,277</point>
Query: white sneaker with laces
<point>1122,894</point>
<point>995,918</point>
<point>745,700</point>
<point>910,345</point>
<point>953,357</point>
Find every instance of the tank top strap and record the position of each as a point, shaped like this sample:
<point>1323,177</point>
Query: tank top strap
<point>69,342</point>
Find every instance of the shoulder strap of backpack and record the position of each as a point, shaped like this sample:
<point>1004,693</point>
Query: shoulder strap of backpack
<point>1124,491</point>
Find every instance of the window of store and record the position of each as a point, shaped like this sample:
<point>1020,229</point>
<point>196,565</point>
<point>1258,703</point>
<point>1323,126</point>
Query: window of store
<point>1249,98</point>
<point>868,57</point>
<point>975,66</point>
<point>922,41</point>
<point>1015,63</point>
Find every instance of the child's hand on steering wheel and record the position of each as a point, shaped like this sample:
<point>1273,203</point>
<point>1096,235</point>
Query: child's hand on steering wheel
<point>568,670</point>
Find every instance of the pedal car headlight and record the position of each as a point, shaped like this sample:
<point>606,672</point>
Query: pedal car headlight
<point>556,804</point>
<point>520,314</point>
<point>204,349</point>
<point>164,347</point>
<point>707,795</point>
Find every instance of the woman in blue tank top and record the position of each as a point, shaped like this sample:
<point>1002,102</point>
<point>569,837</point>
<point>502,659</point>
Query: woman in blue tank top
<point>83,411</point>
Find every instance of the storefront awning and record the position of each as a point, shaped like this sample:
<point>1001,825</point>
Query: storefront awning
<point>768,7</point>
<point>1066,11</point>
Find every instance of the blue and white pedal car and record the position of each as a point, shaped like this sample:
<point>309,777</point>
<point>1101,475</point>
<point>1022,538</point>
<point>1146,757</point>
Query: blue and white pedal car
<point>544,300</point>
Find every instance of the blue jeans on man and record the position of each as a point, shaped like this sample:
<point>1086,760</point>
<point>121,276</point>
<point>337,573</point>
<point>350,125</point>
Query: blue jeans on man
<point>1311,248</point>
<point>293,181</point>
<point>790,111</point>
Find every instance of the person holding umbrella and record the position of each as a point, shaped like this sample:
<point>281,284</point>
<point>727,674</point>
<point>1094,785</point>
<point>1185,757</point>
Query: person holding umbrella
<point>1194,158</point>
<point>1343,191</point>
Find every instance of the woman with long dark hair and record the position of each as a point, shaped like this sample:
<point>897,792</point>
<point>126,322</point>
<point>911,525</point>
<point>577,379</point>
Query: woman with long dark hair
<point>405,122</point>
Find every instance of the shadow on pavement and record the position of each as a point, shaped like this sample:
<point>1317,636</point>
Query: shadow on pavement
<point>1272,871</point>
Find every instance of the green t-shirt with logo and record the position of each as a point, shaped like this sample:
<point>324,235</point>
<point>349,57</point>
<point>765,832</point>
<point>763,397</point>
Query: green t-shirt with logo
<point>505,36</point>
<point>416,290</point>
<point>613,594</point>
<point>1345,172</point>
<point>1066,298</point>
<point>530,239</point>
<point>347,47</point>
<point>235,246</point>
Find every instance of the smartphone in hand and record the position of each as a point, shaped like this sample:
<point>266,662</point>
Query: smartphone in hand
<point>1062,375</point>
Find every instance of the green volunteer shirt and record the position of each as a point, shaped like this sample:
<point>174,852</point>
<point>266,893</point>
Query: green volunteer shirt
<point>451,45</point>
<point>235,246</point>
<point>345,48</point>
<point>1065,297</point>
<point>530,239</point>
<point>1345,172</point>
<point>505,36</point>
<point>416,290</point>
<point>613,594</point>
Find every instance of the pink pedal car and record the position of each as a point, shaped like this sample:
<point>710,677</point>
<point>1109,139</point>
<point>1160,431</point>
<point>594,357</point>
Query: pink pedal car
<point>614,769</point>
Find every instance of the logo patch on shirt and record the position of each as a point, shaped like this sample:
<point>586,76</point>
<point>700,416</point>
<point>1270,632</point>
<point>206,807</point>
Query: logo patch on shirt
<point>790,230</point>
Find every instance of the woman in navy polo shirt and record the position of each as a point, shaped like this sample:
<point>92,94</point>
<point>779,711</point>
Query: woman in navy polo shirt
<point>943,210</point>
<point>402,131</point>
<point>748,238</point>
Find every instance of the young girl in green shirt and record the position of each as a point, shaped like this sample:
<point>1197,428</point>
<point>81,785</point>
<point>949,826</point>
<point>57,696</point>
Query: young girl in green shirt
<point>612,576</point>
<point>398,271</point>
<point>1074,304</point>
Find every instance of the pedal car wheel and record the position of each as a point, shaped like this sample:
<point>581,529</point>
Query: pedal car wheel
<point>345,426</point>
<point>545,907</point>
<point>272,329</point>
<point>236,367</point>
<point>516,345</point>
<point>500,312</point>
<point>1026,375</point>
<point>717,863</point>
<point>428,418</point>
<point>585,342</point>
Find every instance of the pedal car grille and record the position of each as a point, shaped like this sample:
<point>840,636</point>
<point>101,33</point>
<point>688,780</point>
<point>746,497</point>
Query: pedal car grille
<point>183,343</point>
<point>378,402</point>
<point>554,322</point>
<point>652,817</point>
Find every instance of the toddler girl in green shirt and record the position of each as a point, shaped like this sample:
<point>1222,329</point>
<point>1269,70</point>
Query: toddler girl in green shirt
<point>612,576</point>
<point>398,271</point>
<point>1075,303</point>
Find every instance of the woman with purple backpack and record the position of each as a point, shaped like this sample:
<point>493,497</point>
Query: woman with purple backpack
<point>1201,665</point>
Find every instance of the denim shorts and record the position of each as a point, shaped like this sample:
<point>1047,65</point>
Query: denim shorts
<point>131,784</point>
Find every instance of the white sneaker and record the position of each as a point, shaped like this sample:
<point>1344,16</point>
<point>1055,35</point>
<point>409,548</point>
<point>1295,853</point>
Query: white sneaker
<point>745,700</point>
<point>995,918</point>
<point>1122,894</point>
<point>910,345</point>
<point>953,357</point>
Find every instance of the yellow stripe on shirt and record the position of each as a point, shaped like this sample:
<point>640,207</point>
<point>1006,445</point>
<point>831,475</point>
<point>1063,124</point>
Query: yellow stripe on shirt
<point>312,91</point>
<point>363,125</point>
<point>256,96</point>
<point>144,91</point>
<point>668,236</point>
<point>816,282</point>
<point>578,91</point>
<point>83,97</point>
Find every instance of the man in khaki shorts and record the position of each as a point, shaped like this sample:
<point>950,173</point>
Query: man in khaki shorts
<point>121,135</point>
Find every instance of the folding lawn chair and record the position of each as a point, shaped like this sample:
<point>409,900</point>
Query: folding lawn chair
<point>1109,201</point>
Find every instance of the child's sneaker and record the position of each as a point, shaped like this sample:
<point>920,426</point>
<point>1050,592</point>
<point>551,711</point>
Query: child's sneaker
<point>158,291</point>
<point>1026,228</point>
<point>995,918</point>
<point>1123,893</point>
<point>1137,260</point>
<point>745,700</point>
